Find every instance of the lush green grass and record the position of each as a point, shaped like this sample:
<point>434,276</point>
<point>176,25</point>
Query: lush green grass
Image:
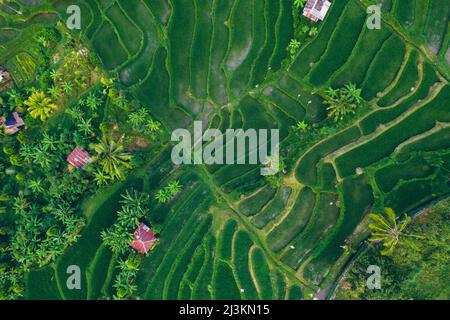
<point>384,144</point>
<point>364,52</point>
<point>97,272</point>
<point>306,171</point>
<point>311,102</point>
<point>198,259</point>
<point>324,217</point>
<point>180,35</point>
<point>262,274</point>
<point>241,248</point>
<point>435,141</point>
<point>405,12</point>
<point>327,177</point>
<point>370,123</point>
<point>169,253</point>
<point>413,194</point>
<point>130,35</point>
<point>138,68</point>
<point>219,45</point>
<point>248,38</point>
<point>279,286</point>
<point>314,50</point>
<point>286,103</point>
<point>202,286</point>
<point>273,11</point>
<point>200,47</point>
<point>160,8</point>
<point>406,83</point>
<point>358,198</point>
<point>226,240</point>
<point>107,44</point>
<point>184,258</point>
<point>437,24</point>
<point>274,208</point>
<point>294,222</point>
<point>384,67</point>
<point>41,285</point>
<point>340,45</point>
<point>388,177</point>
<point>224,284</point>
<point>256,202</point>
<point>294,293</point>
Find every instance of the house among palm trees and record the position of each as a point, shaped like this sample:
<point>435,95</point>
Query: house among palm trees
<point>12,123</point>
<point>79,158</point>
<point>143,239</point>
<point>6,81</point>
<point>316,10</point>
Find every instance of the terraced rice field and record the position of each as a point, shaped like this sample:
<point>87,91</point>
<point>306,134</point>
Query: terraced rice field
<point>229,235</point>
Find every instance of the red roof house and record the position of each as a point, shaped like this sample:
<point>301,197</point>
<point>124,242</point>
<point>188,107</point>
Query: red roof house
<point>79,158</point>
<point>316,10</point>
<point>143,239</point>
<point>12,123</point>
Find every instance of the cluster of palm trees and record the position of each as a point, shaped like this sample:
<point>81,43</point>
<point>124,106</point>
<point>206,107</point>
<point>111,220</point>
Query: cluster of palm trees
<point>42,233</point>
<point>118,238</point>
<point>343,102</point>
<point>74,72</point>
<point>168,192</point>
<point>141,121</point>
<point>134,208</point>
<point>125,281</point>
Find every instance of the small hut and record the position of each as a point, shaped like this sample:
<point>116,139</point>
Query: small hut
<point>144,239</point>
<point>316,10</point>
<point>12,123</point>
<point>79,158</point>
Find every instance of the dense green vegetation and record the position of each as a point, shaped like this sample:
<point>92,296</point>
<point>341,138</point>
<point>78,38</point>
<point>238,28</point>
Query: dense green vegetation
<point>363,121</point>
<point>413,271</point>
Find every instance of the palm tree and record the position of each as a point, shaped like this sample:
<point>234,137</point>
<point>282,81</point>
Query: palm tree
<point>354,93</point>
<point>92,102</point>
<point>343,102</point>
<point>153,126</point>
<point>67,87</point>
<point>40,106</point>
<point>54,75</point>
<point>36,186</point>
<point>85,126</point>
<point>100,178</point>
<point>293,47</point>
<point>111,156</point>
<point>313,32</point>
<point>386,230</point>
<point>120,101</point>
<point>174,187</point>
<point>134,199</point>
<point>301,126</point>
<point>333,93</point>
<point>136,120</point>
<point>162,196</point>
<point>26,152</point>
<point>41,157</point>
<point>299,3</point>
<point>53,92</point>
<point>48,142</point>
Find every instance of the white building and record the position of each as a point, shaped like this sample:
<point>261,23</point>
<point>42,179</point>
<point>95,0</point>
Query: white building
<point>316,10</point>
